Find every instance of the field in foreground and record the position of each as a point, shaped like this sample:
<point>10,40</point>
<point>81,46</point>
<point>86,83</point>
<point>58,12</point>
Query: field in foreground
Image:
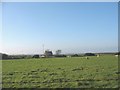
<point>74,72</point>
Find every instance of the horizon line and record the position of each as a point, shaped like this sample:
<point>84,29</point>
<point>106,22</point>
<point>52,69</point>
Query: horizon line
<point>62,53</point>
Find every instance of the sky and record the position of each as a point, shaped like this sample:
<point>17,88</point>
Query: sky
<point>74,27</point>
<point>59,0</point>
<point>0,27</point>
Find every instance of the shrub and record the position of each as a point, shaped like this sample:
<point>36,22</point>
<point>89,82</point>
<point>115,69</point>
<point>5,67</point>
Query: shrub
<point>35,56</point>
<point>89,54</point>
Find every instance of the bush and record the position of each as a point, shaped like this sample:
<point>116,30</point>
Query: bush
<point>75,55</point>
<point>89,54</point>
<point>35,56</point>
<point>60,55</point>
<point>118,53</point>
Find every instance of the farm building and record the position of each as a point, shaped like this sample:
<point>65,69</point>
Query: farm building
<point>48,53</point>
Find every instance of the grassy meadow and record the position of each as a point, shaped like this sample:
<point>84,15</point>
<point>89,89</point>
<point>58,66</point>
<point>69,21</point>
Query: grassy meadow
<point>72,72</point>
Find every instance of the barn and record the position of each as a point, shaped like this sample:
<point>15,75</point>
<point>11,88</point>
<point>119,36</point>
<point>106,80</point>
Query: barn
<point>48,53</point>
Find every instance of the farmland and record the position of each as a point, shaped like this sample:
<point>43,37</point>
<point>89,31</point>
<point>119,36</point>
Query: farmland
<point>72,72</point>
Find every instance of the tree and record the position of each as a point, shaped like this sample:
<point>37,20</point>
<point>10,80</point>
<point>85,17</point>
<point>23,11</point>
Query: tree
<point>75,55</point>
<point>35,56</point>
<point>4,56</point>
<point>58,52</point>
<point>89,54</point>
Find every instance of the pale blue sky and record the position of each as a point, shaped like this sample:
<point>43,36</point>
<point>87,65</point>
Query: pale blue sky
<point>0,27</point>
<point>59,0</point>
<point>71,27</point>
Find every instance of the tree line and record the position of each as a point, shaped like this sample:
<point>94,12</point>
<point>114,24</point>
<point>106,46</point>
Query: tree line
<point>49,54</point>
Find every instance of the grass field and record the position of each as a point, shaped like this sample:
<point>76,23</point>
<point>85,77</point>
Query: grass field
<point>74,72</point>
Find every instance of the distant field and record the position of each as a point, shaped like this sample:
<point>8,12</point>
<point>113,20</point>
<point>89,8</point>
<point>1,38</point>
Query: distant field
<point>73,72</point>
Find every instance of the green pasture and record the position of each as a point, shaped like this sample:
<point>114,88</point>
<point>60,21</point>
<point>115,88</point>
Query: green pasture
<point>72,72</point>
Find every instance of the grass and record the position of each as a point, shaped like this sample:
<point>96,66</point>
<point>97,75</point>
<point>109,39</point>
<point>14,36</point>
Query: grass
<point>74,72</point>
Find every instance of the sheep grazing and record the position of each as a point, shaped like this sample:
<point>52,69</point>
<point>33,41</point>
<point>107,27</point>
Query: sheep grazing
<point>98,55</point>
<point>68,56</point>
<point>116,55</point>
<point>86,57</point>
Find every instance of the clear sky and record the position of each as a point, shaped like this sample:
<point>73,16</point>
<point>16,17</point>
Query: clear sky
<point>0,27</point>
<point>71,27</point>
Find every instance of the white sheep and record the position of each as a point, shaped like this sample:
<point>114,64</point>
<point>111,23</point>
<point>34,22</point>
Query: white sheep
<point>86,57</point>
<point>98,55</point>
<point>116,55</point>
